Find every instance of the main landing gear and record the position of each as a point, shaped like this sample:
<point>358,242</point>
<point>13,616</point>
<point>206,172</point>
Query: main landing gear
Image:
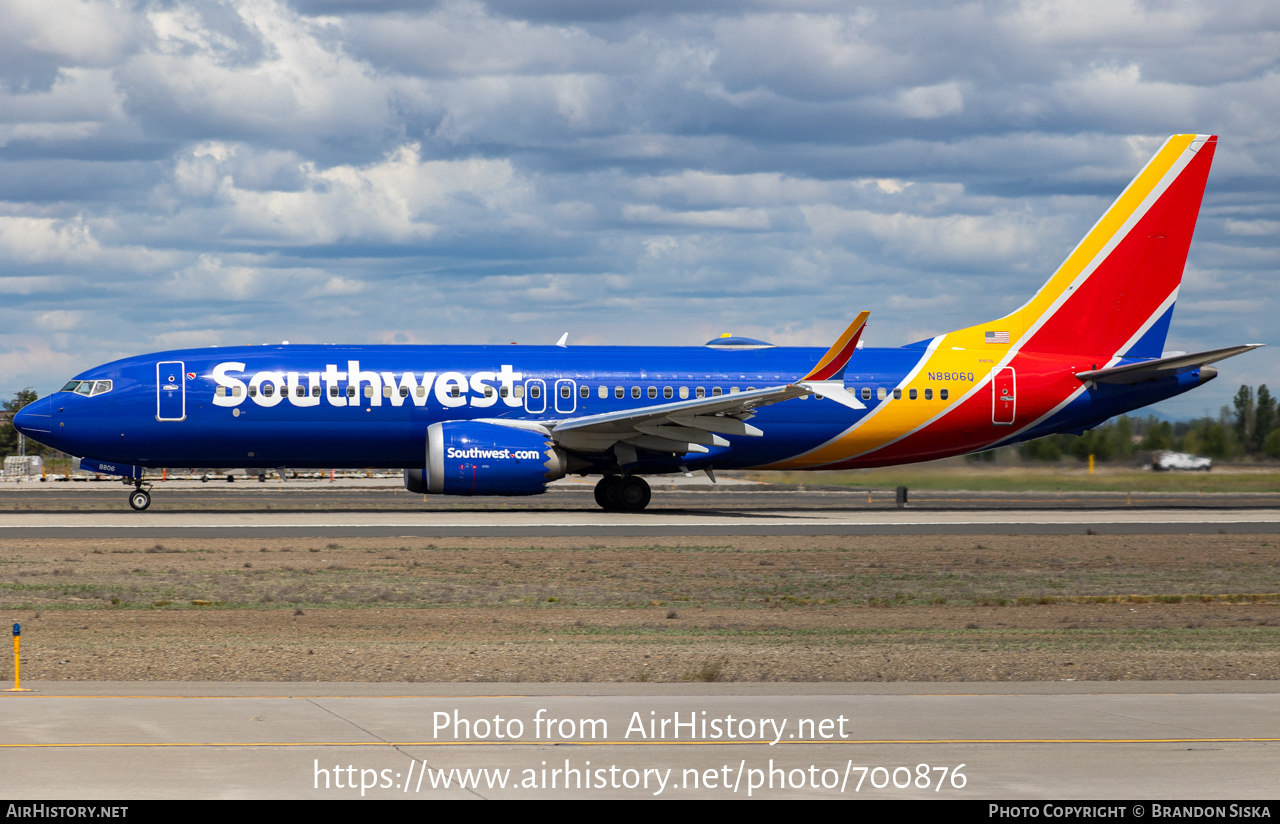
<point>139,498</point>
<point>622,493</point>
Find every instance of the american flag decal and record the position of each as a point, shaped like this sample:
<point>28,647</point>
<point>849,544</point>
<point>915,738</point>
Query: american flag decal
<point>997,337</point>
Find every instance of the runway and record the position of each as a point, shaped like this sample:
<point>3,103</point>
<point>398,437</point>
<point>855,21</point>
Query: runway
<point>379,509</point>
<point>1171,740</point>
<point>541,523</point>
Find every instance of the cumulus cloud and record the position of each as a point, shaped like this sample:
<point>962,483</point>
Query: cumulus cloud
<point>41,240</point>
<point>231,192</point>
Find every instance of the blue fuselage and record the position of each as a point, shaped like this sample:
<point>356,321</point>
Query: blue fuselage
<point>335,406</point>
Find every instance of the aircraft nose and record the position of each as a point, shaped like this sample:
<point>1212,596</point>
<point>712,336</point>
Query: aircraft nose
<point>34,418</point>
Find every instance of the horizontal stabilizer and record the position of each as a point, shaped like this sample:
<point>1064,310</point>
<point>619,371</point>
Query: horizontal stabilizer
<point>1162,367</point>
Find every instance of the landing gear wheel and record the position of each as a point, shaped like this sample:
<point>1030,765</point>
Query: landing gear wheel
<point>139,499</point>
<point>632,494</point>
<point>607,492</point>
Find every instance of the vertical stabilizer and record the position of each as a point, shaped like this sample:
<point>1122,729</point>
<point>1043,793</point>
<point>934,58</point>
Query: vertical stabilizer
<point>1114,294</point>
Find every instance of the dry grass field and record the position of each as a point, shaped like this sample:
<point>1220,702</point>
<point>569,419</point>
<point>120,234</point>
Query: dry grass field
<point>751,609</point>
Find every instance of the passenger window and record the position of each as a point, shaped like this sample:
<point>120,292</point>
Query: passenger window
<point>751,389</point>
<point>866,393</point>
<point>733,390</point>
<point>897,394</point>
<point>368,391</point>
<point>619,392</point>
<point>667,392</point>
<point>603,392</point>
<point>700,392</point>
<point>942,394</point>
<point>315,391</point>
<point>653,391</point>
<point>565,392</point>
<point>422,391</point>
<point>584,392</point>
<point>911,394</point>
<point>235,391</point>
<point>635,392</point>
<point>253,391</point>
<point>221,391</point>
<point>520,391</point>
<point>268,390</point>
<point>386,391</point>
<point>880,393</point>
<point>717,391</point>
<point>502,392</point>
<point>351,391</point>
<point>535,392</point>
<point>333,391</point>
<point>404,391</point>
<point>928,394</point>
<point>684,393</point>
<point>488,391</point>
<point>455,391</point>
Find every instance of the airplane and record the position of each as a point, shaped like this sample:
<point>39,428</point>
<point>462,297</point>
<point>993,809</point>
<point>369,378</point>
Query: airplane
<point>503,420</point>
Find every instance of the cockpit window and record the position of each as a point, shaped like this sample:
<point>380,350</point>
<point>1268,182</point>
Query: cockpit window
<point>87,387</point>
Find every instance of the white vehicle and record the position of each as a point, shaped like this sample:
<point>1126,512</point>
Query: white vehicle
<point>1180,462</point>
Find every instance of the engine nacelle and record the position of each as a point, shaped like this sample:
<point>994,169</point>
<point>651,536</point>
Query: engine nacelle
<point>473,458</point>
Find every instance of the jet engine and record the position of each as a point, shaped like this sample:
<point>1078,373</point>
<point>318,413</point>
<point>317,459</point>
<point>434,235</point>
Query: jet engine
<point>476,458</point>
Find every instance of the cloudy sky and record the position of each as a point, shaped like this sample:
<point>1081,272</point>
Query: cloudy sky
<point>631,171</point>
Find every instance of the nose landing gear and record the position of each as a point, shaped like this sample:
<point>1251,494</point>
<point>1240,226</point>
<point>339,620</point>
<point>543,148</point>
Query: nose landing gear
<point>618,493</point>
<point>139,498</point>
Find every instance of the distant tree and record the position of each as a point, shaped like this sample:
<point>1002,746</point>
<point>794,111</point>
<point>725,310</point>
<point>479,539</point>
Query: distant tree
<point>1122,437</point>
<point>1159,436</point>
<point>9,435</point>
<point>1098,442</point>
<point>1244,415</point>
<point>1041,449</point>
<point>1272,446</point>
<point>1264,418</point>
<point>1213,439</point>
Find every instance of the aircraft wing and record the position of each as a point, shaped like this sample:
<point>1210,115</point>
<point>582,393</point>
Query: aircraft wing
<point>680,427</point>
<point>694,425</point>
<point>1162,367</point>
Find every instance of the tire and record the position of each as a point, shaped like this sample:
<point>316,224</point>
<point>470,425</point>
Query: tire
<point>140,499</point>
<point>607,492</point>
<point>633,494</point>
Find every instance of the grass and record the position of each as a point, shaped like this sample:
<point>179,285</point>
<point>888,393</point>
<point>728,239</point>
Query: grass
<point>676,581</point>
<point>709,671</point>
<point>834,581</point>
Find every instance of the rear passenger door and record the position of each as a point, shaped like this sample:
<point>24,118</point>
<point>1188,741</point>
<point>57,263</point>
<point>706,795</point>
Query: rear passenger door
<point>1004,400</point>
